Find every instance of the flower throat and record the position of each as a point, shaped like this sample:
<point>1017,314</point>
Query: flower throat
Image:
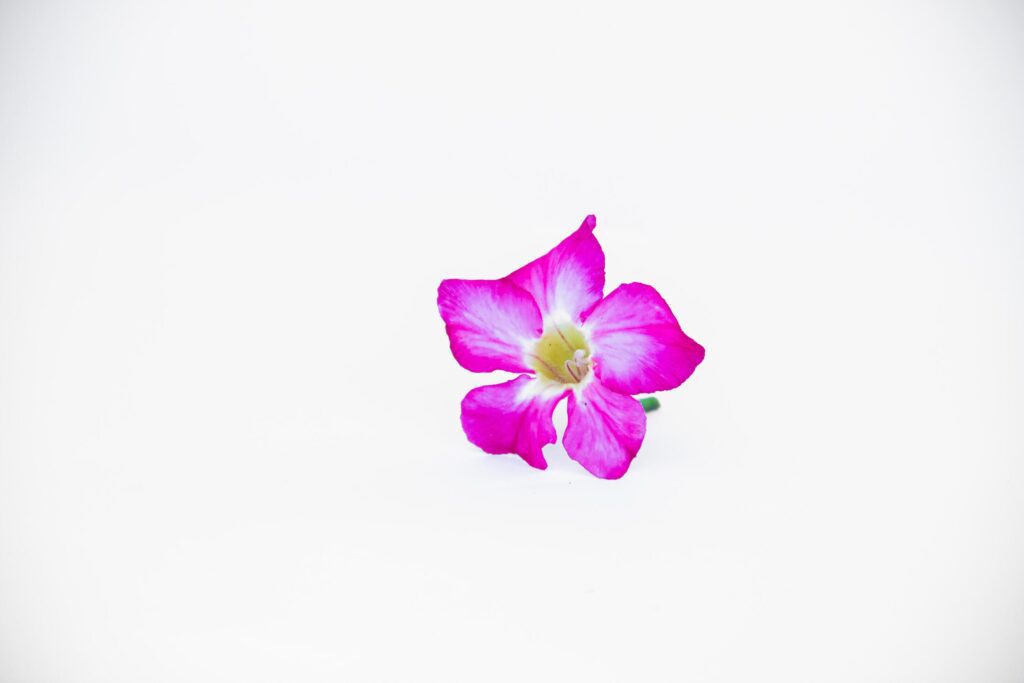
<point>561,354</point>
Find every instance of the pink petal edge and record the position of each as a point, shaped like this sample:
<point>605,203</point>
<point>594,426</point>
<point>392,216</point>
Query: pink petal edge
<point>488,323</point>
<point>638,345</point>
<point>510,418</point>
<point>569,279</point>
<point>605,430</point>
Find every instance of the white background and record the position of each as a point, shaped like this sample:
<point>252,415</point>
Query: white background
<point>229,437</point>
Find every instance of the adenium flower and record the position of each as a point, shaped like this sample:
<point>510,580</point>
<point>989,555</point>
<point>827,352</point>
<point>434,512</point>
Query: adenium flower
<point>550,321</point>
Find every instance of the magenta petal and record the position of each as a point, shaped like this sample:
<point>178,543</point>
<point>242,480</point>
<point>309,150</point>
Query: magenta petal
<point>637,343</point>
<point>511,418</point>
<point>489,322</point>
<point>605,430</point>
<point>569,279</point>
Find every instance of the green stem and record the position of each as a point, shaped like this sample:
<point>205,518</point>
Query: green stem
<point>650,403</point>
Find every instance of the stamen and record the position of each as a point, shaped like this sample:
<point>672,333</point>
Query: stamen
<point>560,334</point>
<point>561,354</point>
<point>554,373</point>
<point>568,366</point>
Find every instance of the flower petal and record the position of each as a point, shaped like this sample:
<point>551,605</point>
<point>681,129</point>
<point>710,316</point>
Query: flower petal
<point>569,279</point>
<point>637,343</point>
<point>489,322</point>
<point>605,430</point>
<point>513,417</point>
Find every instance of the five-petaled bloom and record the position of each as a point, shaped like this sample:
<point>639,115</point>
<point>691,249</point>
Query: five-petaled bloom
<point>549,319</point>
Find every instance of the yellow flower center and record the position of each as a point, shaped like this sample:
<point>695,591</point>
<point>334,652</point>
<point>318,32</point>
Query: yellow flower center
<point>561,354</point>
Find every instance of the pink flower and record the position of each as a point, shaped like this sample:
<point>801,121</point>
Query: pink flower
<point>550,321</point>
